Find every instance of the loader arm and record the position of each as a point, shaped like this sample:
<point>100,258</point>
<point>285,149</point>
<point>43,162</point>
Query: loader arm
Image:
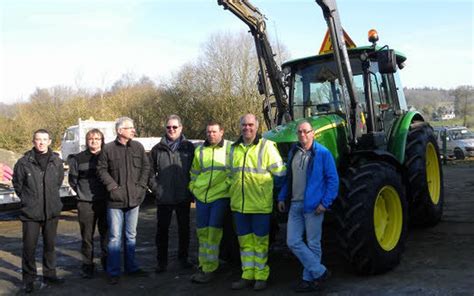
<point>331,15</point>
<point>271,75</point>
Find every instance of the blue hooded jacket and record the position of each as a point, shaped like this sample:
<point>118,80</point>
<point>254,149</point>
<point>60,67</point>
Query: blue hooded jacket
<point>322,181</point>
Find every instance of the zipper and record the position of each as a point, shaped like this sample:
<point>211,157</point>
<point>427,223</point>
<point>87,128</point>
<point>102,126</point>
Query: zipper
<point>210,179</point>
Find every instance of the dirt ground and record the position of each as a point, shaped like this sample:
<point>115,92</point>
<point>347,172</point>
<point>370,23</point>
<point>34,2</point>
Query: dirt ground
<point>437,261</point>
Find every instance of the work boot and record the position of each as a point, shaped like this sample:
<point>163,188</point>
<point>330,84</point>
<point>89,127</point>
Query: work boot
<point>323,278</point>
<point>202,277</point>
<point>29,287</point>
<point>260,285</point>
<point>53,280</point>
<point>305,287</point>
<point>87,271</point>
<point>241,284</point>
<point>113,280</point>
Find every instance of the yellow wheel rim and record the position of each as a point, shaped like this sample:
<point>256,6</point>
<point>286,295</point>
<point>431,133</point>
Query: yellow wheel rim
<point>388,218</point>
<point>432,173</point>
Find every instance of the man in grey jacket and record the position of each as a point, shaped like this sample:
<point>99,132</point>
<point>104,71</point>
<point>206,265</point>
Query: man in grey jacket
<point>123,168</point>
<point>170,162</point>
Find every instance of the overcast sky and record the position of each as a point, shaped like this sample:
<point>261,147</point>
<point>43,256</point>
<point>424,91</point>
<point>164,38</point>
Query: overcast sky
<point>91,43</point>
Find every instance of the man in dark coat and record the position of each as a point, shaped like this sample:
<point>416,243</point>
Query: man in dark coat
<point>37,178</point>
<point>123,168</point>
<point>170,162</point>
<point>91,200</point>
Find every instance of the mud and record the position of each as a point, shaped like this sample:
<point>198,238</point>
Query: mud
<point>437,260</point>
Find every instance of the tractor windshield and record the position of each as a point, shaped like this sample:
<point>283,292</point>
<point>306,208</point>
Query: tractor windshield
<point>316,90</point>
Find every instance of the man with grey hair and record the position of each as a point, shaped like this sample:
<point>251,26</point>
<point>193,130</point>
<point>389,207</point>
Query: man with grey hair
<point>170,162</point>
<point>123,168</point>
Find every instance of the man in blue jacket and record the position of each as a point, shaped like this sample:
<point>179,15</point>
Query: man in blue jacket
<point>311,185</point>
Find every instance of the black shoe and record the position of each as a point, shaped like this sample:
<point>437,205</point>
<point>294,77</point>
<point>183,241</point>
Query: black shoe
<point>305,287</point>
<point>160,268</point>
<point>138,273</point>
<point>241,284</point>
<point>113,280</point>
<point>185,264</point>
<point>53,280</point>
<point>323,278</point>
<point>87,271</point>
<point>29,287</point>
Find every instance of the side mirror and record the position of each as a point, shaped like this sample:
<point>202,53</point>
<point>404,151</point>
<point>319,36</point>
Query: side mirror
<point>387,61</point>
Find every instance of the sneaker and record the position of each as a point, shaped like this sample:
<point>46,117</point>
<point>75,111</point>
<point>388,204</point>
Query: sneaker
<point>113,280</point>
<point>305,287</point>
<point>138,273</point>
<point>260,285</point>
<point>185,264</point>
<point>202,277</point>
<point>241,284</point>
<point>29,287</point>
<point>160,268</point>
<point>53,280</point>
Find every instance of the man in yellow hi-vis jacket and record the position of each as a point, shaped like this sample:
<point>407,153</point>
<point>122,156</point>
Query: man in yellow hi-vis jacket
<point>253,163</point>
<point>209,186</point>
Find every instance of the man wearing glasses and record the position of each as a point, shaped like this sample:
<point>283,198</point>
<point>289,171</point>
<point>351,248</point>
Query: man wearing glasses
<point>123,168</point>
<point>171,161</point>
<point>311,185</point>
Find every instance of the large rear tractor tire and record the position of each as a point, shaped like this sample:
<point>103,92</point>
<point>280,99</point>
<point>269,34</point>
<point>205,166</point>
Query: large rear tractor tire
<point>371,217</point>
<point>425,176</point>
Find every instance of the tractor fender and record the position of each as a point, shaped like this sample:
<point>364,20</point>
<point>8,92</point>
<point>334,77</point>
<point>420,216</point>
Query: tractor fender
<point>399,134</point>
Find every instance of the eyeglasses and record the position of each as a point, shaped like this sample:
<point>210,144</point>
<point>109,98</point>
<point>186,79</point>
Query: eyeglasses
<point>304,132</point>
<point>172,127</point>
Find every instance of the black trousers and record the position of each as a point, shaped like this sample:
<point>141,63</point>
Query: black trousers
<point>89,215</point>
<point>31,230</point>
<point>164,214</point>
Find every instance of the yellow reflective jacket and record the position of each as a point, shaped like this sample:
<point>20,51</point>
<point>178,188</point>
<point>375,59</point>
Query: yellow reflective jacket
<point>208,171</point>
<point>251,169</point>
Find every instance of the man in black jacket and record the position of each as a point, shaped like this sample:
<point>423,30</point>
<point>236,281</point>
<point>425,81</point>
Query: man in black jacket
<point>171,161</point>
<point>37,178</point>
<point>123,168</point>
<point>91,200</point>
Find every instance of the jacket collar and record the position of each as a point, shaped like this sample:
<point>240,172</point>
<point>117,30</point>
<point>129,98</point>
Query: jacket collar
<point>241,140</point>
<point>220,144</point>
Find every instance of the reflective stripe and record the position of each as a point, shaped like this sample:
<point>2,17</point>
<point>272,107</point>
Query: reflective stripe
<point>247,253</point>
<point>249,170</point>
<point>260,154</point>
<point>275,165</point>
<point>210,257</point>
<point>208,246</point>
<point>248,264</point>
<point>260,265</point>
<point>193,178</point>
<point>196,172</point>
<point>280,174</point>
<point>261,255</point>
<point>216,168</point>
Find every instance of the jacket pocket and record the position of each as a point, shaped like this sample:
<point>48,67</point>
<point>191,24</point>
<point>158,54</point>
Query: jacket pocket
<point>118,194</point>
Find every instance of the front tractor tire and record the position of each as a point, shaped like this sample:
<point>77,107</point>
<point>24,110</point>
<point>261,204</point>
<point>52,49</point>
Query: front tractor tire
<point>371,216</point>
<point>425,176</point>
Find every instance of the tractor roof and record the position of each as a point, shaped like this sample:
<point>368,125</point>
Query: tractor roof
<point>353,52</point>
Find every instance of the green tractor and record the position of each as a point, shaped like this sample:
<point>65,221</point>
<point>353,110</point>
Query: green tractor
<point>388,158</point>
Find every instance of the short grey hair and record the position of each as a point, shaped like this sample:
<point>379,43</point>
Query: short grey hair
<point>241,120</point>
<point>304,121</point>
<point>174,117</point>
<point>120,121</point>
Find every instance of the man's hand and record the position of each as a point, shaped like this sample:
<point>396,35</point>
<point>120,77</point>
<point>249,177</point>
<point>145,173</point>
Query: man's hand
<point>320,209</point>
<point>281,206</point>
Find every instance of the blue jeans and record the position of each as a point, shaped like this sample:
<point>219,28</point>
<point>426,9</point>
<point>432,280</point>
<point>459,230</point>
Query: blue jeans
<point>308,253</point>
<point>117,219</point>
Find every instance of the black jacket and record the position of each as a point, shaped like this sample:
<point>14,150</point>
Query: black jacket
<point>124,169</point>
<point>169,177</point>
<point>83,177</point>
<point>38,190</point>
